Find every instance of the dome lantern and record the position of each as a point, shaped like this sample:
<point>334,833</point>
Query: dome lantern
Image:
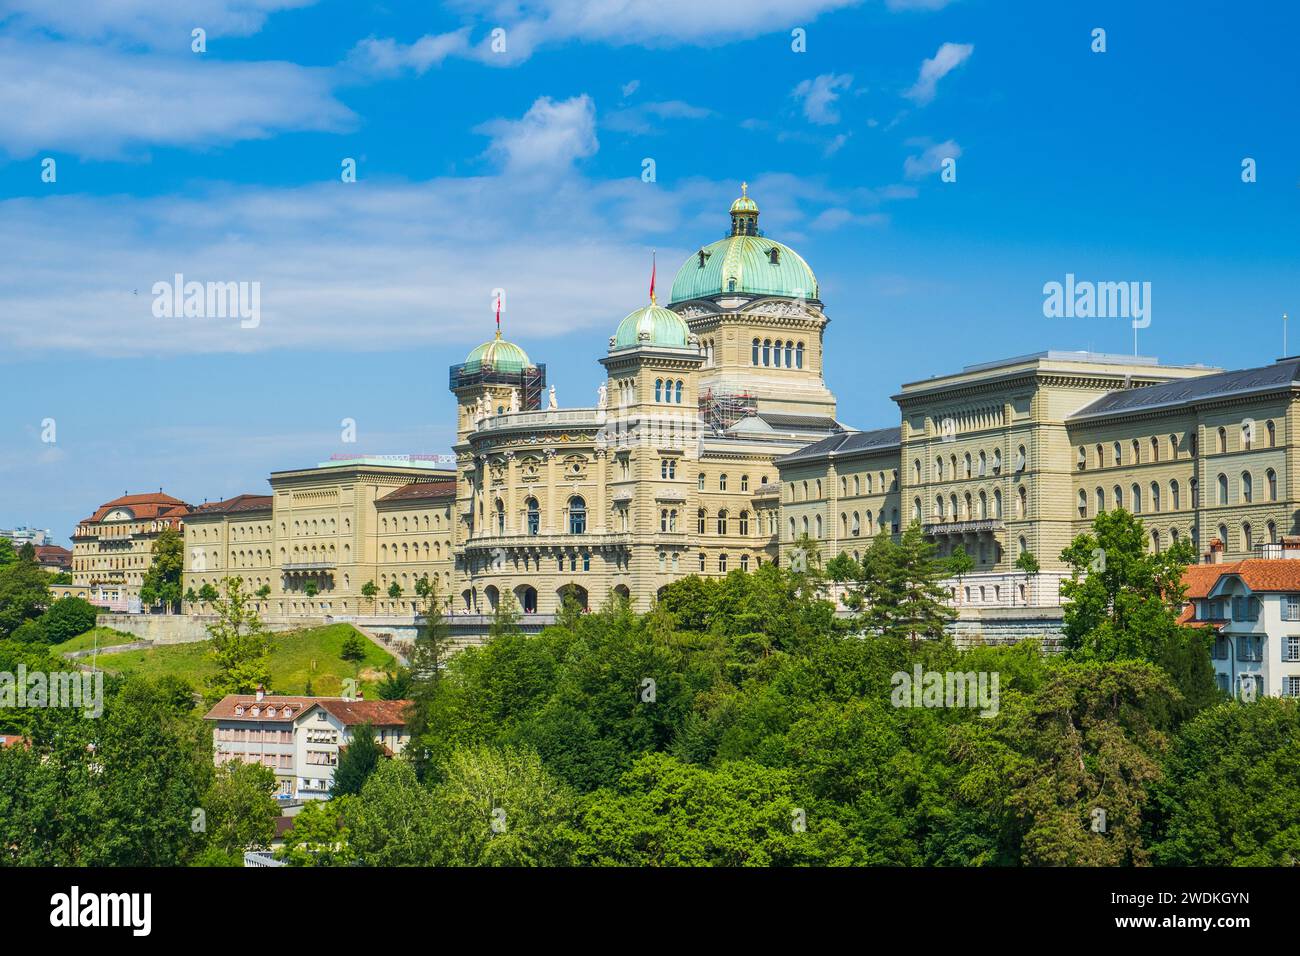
<point>744,214</point>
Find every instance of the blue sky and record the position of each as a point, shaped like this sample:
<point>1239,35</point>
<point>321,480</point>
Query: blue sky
<point>521,169</point>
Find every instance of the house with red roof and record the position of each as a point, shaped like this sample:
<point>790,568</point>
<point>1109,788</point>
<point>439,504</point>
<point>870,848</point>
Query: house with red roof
<point>323,730</point>
<point>113,548</point>
<point>1253,608</point>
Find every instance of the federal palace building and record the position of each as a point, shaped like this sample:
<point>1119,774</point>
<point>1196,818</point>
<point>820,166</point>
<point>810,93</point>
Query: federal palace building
<point>714,444</point>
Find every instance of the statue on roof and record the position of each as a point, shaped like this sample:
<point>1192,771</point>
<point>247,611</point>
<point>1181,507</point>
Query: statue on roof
<point>550,402</point>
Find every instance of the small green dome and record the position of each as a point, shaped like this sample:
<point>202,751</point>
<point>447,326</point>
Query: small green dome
<point>744,262</point>
<point>498,356</point>
<point>652,325</point>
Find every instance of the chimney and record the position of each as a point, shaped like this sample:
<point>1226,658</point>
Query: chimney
<point>1216,551</point>
<point>261,691</point>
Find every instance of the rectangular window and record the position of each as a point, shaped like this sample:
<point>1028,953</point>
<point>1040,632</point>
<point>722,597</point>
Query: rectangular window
<point>1291,610</point>
<point>1292,648</point>
<point>1291,686</point>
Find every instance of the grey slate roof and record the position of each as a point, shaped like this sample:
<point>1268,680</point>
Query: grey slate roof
<point>846,443</point>
<point>802,422</point>
<point>1280,375</point>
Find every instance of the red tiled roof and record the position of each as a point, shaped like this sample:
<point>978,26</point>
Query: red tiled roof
<point>8,740</point>
<point>224,709</point>
<point>154,505</point>
<point>53,554</point>
<point>422,489</point>
<point>1261,575</point>
<point>381,713</point>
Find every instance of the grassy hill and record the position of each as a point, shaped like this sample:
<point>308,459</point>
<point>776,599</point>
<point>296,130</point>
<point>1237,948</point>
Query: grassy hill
<point>295,657</point>
<point>83,642</point>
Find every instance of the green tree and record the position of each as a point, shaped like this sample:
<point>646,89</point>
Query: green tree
<point>1065,773</point>
<point>24,594</point>
<point>369,590</point>
<point>263,592</point>
<point>67,618</point>
<point>959,563</point>
<point>240,808</point>
<point>240,645</point>
<point>393,823</point>
<point>1122,603</point>
<point>7,553</point>
<point>1232,797</point>
<point>319,835</point>
<point>396,685</point>
<point>394,590</point>
<point>162,580</point>
<point>505,617</point>
<point>354,648</point>
<point>311,588</point>
<point>357,762</point>
<point>899,593</point>
<point>500,807</point>
<point>663,812</point>
<point>208,594</point>
<point>429,654</point>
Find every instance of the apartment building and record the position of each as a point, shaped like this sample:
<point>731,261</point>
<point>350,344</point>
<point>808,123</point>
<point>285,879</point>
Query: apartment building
<point>1253,607</point>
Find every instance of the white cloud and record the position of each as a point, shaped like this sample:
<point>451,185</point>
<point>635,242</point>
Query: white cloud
<point>387,56</point>
<point>550,136</point>
<point>631,87</point>
<point>931,160</point>
<point>639,119</point>
<point>819,95</point>
<point>103,103</point>
<point>948,58</point>
<point>159,22</point>
<point>651,23</point>
<point>369,266</point>
<point>897,5</point>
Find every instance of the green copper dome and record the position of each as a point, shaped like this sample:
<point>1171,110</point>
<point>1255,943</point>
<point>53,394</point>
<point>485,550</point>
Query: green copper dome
<point>651,325</point>
<point>498,356</point>
<point>744,263</point>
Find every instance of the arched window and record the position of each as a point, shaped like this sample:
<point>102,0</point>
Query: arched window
<point>966,465</point>
<point>1155,448</point>
<point>1247,434</point>
<point>679,392</point>
<point>1137,452</point>
<point>577,515</point>
<point>767,351</point>
<point>1271,432</point>
<point>789,354</point>
<point>1118,451</point>
<point>916,471</point>
<point>1223,440</point>
<point>938,468</point>
<point>1223,489</point>
<point>1271,528</point>
<point>663,522</point>
<point>1223,536</point>
<point>744,522</point>
<point>722,482</point>
<point>997,503</point>
<point>701,519</point>
<point>659,390</point>
<point>798,356</point>
<point>1119,496</point>
<point>500,510</point>
<point>776,353</point>
<point>1247,487</point>
<point>1081,460</point>
<point>1271,477</point>
<point>983,465</point>
<point>1101,457</point>
<point>818,521</point>
<point>753,355</point>
<point>722,521</point>
<point>1083,503</point>
<point>1155,540</point>
<point>744,482</point>
<point>984,506</point>
<point>1174,502</point>
<point>938,507</point>
<point>952,500</point>
<point>916,509</point>
<point>1247,537</point>
<point>1022,502</point>
<point>1155,496</point>
<point>856,527</point>
<point>699,483</point>
<point>722,563</point>
<point>1136,493</point>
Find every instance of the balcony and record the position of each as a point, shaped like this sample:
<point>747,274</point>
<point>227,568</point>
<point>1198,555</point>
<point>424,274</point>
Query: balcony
<point>963,527</point>
<point>590,539</point>
<point>310,566</point>
<point>543,418</point>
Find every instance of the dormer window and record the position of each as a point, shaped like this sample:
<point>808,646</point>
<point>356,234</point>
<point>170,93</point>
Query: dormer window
<point>256,711</point>
<point>774,256</point>
<point>270,711</point>
<point>239,710</point>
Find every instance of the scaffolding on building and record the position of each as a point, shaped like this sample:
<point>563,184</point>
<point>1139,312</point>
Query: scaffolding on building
<point>721,410</point>
<point>530,381</point>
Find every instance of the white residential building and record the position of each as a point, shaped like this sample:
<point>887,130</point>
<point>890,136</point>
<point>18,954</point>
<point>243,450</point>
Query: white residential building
<point>326,727</point>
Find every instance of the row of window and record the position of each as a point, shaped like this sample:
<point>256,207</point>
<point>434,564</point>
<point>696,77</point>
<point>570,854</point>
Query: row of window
<point>804,491</point>
<point>978,466</point>
<point>848,526</point>
<point>666,390</point>
<point>1245,489</point>
<point>1247,439</point>
<point>778,354</point>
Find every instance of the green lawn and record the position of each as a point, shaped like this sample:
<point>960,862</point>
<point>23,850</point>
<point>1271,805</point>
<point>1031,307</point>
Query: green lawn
<point>84,642</point>
<point>295,656</point>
